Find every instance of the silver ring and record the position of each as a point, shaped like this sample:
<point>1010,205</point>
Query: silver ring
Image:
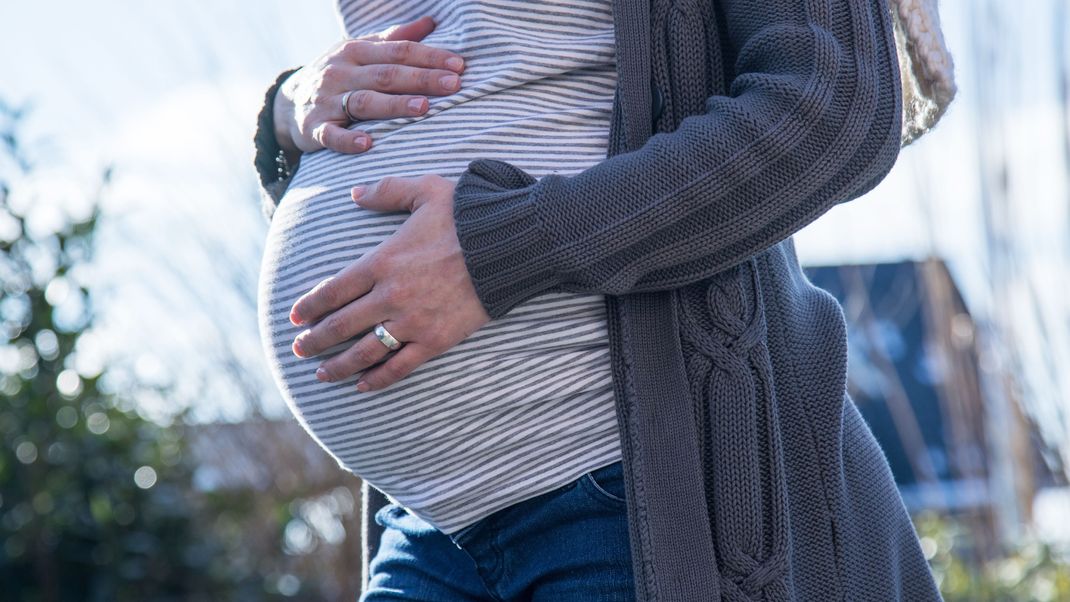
<point>386,338</point>
<point>345,105</point>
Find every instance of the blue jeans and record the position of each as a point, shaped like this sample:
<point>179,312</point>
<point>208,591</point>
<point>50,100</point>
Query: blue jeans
<point>569,544</point>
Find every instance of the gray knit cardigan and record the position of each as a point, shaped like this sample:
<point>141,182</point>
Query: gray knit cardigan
<point>750,473</point>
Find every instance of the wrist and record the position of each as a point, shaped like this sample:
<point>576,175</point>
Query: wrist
<point>268,147</point>
<point>282,115</point>
<point>506,251</point>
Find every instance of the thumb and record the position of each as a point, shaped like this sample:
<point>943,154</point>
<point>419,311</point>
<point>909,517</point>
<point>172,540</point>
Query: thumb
<point>388,194</point>
<point>413,31</point>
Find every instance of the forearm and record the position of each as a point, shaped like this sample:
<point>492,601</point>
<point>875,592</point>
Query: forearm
<point>811,119</point>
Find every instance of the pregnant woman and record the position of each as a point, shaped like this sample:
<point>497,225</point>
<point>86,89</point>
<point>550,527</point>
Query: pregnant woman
<point>532,278</point>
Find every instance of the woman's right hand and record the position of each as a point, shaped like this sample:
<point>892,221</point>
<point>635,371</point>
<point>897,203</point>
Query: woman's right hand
<point>391,74</point>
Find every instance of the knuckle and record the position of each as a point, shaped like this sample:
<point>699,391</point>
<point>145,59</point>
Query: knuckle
<point>392,371</point>
<point>424,78</point>
<point>327,290</point>
<point>325,137</point>
<point>335,328</point>
<point>378,268</point>
<point>331,73</point>
<point>355,48</point>
<point>375,262</point>
<point>393,294</point>
<point>429,184</point>
<point>361,100</point>
<point>385,74</point>
<point>401,50</point>
<point>387,185</point>
<point>367,355</point>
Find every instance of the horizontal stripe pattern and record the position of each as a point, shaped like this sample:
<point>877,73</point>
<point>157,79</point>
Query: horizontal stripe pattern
<point>525,404</point>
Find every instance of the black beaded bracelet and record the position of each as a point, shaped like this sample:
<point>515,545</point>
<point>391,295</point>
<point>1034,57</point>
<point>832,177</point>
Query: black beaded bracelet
<point>270,159</point>
<point>282,165</point>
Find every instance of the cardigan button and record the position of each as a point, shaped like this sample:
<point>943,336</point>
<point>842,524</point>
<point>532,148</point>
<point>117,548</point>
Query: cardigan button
<point>657,102</point>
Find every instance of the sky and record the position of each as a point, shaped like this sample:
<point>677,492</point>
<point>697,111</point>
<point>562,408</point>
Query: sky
<point>169,97</point>
<point>168,94</point>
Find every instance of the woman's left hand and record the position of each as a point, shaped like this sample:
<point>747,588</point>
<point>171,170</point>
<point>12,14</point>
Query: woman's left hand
<point>415,282</point>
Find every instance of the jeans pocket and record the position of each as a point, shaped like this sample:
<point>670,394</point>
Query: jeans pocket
<point>606,483</point>
<point>384,515</point>
<point>398,518</point>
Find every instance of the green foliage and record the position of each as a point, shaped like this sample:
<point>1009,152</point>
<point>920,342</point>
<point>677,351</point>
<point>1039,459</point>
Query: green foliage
<point>96,502</point>
<point>1031,571</point>
<point>91,495</point>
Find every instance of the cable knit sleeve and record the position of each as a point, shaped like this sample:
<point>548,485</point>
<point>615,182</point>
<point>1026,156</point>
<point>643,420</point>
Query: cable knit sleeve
<point>810,119</point>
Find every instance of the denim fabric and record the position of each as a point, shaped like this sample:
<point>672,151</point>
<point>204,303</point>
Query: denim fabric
<point>569,544</point>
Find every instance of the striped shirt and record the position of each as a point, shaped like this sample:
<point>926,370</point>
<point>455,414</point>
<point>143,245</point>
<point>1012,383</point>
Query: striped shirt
<point>525,404</point>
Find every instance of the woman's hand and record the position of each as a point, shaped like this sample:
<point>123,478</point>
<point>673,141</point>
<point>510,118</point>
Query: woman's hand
<point>391,73</point>
<point>415,282</point>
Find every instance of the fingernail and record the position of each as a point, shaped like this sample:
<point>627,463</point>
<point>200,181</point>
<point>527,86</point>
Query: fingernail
<point>297,349</point>
<point>415,104</point>
<point>455,63</point>
<point>294,318</point>
<point>362,386</point>
<point>323,375</point>
<point>361,141</point>
<point>450,82</point>
<point>357,192</point>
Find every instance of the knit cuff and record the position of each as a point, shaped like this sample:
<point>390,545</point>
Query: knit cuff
<point>505,246</point>
<point>272,183</point>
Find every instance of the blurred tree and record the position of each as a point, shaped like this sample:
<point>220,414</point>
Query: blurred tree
<point>1031,570</point>
<point>94,499</point>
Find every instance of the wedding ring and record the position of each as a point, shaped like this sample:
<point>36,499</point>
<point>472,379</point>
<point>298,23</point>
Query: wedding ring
<point>345,105</point>
<point>386,338</point>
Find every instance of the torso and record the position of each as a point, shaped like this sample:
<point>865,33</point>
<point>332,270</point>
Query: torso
<point>525,404</point>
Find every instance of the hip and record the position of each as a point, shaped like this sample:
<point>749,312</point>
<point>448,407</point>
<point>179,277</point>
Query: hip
<point>571,543</point>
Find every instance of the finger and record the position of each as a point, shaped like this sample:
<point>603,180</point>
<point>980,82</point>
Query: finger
<point>356,317</point>
<point>392,193</point>
<point>369,104</point>
<point>335,137</point>
<point>368,351</point>
<point>349,284</point>
<point>402,52</point>
<point>397,367</point>
<point>413,30</point>
<point>403,79</point>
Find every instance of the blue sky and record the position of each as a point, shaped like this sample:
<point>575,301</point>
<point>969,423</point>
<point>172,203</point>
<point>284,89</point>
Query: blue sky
<point>168,92</point>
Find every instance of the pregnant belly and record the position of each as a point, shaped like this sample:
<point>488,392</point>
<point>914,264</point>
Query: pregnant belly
<point>545,363</point>
<point>525,404</point>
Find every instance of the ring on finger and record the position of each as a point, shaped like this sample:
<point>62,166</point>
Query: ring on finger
<point>345,105</point>
<point>386,338</point>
